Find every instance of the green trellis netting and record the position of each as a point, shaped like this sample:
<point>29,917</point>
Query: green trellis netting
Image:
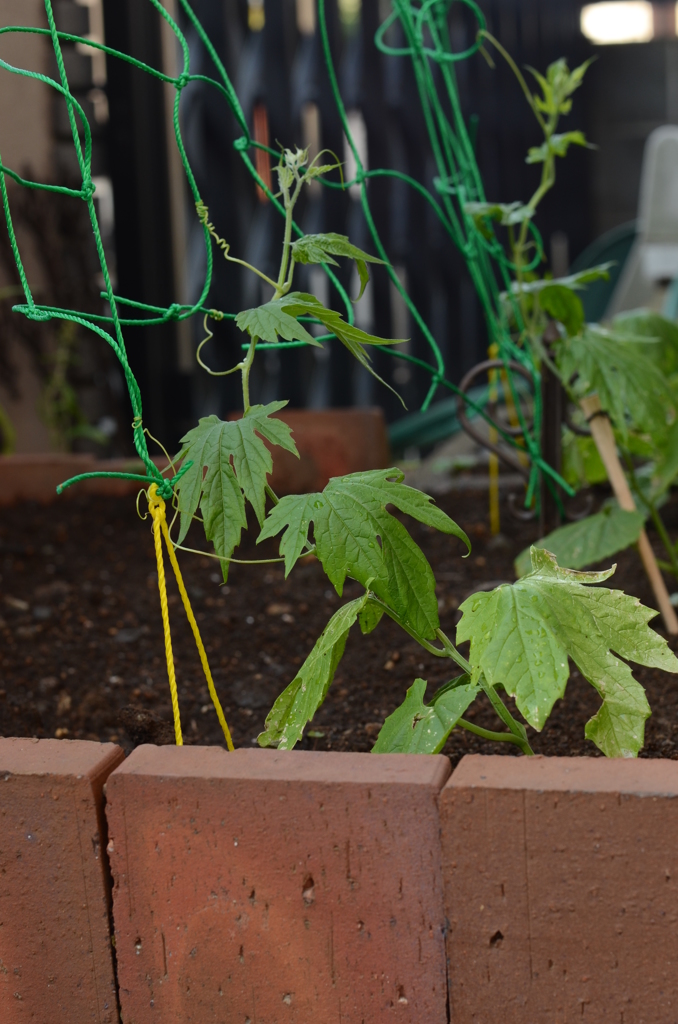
<point>425,30</point>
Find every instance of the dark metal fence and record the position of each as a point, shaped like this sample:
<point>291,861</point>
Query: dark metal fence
<point>274,58</point>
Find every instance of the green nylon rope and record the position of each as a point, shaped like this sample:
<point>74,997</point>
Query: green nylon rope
<point>458,181</point>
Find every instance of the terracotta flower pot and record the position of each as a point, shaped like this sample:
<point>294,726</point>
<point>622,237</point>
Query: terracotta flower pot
<point>331,442</point>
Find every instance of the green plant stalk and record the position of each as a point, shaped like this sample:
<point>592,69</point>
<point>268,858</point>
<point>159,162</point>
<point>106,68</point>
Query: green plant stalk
<point>246,368</point>
<point>664,537</point>
<point>657,520</point>
<point>517,731</point>
<point>495,737</point>
<point>507,718</point>
<point>515,727</point>
<point>452,652</point>
<point>282,286</point>
<point>272,495</point>
<point>289,201</point>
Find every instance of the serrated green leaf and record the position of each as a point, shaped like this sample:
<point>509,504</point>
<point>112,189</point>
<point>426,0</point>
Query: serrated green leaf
<point>299,701</point>
<point>576,282</point>
<point>588,540</point>
<point>213,445</point>
<point>223,507</point>
<point>582,464</point>
<point>419,728</point>
<point>556,145</point>
<point>270,320</point>
<point>558,86</point>
<point>285,176</point>
<point>511,645</point>
<point>642,326</point>
<point>576,76</point>
<point>665,468</point>
<point>618,728</point>
<point>370,617</point>
<point>197,446</point>
<point>654,339</point>
<point>318,170</point>
<point>302,304</point>
<point>631,390</point>
<point>505,214</point>
<point>522,635</point>
<point>321,248</point>
<point>252,460</point>
<point>563,305</point>
<point>356,536</point>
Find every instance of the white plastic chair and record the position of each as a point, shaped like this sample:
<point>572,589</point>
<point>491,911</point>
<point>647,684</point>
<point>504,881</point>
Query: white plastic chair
<point>653,260</point>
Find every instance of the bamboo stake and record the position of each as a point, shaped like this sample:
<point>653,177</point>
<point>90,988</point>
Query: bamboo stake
<point>601,431</point>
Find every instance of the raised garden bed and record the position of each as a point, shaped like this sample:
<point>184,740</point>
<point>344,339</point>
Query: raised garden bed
<point>82,637</point>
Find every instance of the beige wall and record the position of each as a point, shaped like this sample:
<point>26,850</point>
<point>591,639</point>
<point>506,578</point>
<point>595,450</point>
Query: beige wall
<point>25,105</point>
<point>32,434</point>
<point>26,147</point>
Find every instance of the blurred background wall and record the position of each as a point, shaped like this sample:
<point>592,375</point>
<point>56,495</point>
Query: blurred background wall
<point>271,50</point>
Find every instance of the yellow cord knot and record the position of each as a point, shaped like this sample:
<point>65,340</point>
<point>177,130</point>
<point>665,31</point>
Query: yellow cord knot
<point>155,502</point>
<point>157,508</point>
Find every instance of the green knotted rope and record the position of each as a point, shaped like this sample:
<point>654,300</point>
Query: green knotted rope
<point>458,181</point>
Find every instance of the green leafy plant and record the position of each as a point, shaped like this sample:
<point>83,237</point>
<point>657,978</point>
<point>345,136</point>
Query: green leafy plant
<point>630,364</point>
<point>590,539</point>
<point>521,636</point>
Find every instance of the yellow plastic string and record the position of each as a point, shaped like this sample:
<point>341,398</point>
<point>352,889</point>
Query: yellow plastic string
<point>156,507</point>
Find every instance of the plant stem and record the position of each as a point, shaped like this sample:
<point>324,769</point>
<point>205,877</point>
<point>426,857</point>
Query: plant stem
<point>487,734</point>
<point>246,367</point>
<point>225,247</point>
<point>654,515</point>
<point>507,718</point>
<point>664,536</point>
<point>284,285</point>
<point>309,549</point>
<point>415,636</point>
<point>517,730</point>
<point>452,651</point>
<point>516,71</point>
<point>222,558</point>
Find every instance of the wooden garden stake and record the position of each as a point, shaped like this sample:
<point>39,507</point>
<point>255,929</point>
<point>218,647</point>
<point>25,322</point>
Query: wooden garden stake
<point>601,431</point>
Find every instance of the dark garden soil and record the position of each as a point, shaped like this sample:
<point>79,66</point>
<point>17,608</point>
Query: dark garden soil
<point>82,656</point>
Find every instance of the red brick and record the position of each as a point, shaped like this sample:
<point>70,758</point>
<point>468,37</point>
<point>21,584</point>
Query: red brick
<point>277,886</point>
<point>561,890</point>
<point>36,477</point>
<point>55,944</point>
<point>331,442</point>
